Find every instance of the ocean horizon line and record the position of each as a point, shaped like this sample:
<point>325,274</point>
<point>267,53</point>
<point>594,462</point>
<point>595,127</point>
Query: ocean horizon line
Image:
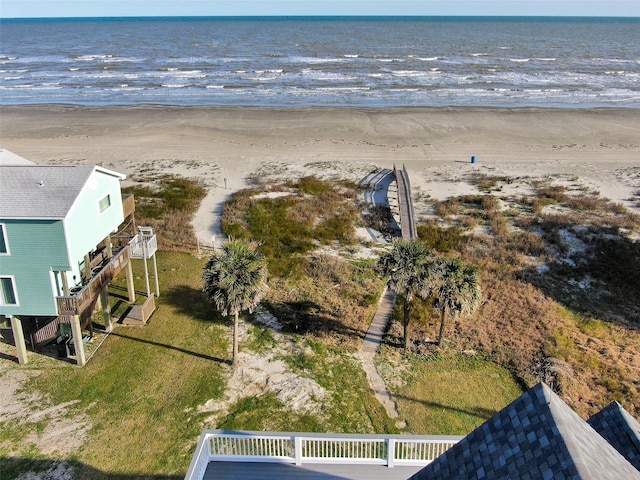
<point>331,17</point>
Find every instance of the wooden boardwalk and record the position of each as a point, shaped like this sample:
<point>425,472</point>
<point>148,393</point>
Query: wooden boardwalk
<point>405,204</point>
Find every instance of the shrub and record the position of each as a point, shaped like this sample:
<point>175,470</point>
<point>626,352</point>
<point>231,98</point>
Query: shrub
<point>288,227</point>
<point>528,243</point>
<point>552,192</point>
<point>441,239</point>
<point>313,185</point>
<point>448,207</point>
<point>167,207</point>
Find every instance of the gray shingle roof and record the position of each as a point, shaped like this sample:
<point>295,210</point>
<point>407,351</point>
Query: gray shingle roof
<point>10,158</point>
<point>620,429</point>
<point>39,191</point>
<point>538,436</point>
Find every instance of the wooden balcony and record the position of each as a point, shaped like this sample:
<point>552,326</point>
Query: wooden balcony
<point>128,205</point>
<point>144,244</point>
<point>82,302</point>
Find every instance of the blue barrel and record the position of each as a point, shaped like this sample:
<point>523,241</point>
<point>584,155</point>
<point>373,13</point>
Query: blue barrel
<point>473,159</point>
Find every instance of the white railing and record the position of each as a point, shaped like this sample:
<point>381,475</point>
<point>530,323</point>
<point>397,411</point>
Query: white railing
<point>143,246</point>
<point>299,448</point>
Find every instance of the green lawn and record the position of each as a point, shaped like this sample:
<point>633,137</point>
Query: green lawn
<point>450,394</point>
<point>142,387</point>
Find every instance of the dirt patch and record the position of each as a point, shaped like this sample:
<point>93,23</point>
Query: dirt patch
<point>44,428</point>
<point>259,373</point>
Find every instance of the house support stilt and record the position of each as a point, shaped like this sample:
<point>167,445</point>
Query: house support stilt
<point>18,336</point>
<point>155,272</point>
<point>130,287</point>
<point>106,309</point>
<point>78,344</point>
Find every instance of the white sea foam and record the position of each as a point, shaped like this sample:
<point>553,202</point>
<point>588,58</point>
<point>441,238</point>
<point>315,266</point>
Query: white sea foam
<point>409,73</point>
<point>279,66</point>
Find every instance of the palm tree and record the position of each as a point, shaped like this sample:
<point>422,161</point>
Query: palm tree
<point>235,280</point>
<point>410,269</point>
<point>458,290</point>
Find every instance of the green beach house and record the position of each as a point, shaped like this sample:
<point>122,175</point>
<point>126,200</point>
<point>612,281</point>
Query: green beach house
<point>57,255</point>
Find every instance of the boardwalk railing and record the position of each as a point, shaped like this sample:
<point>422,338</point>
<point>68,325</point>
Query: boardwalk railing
<point>299,448</point>
<point>405,204</point>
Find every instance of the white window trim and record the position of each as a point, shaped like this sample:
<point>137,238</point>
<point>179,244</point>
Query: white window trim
<point>108,195</point>
<point>15,292</point>
<point>3,229</point>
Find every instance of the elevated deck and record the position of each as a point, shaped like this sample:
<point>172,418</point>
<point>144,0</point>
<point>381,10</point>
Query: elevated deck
<point>82,302</point>
<point>226,455</point>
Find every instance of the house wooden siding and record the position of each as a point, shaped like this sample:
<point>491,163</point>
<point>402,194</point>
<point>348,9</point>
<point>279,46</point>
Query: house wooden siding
<point>85,225</point>
<point>42,248</point>
<point>37,247</point>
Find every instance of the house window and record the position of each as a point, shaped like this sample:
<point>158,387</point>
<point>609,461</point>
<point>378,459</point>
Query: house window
<point>4,246</point>
<point>8,291</point>
<point>104,203</point>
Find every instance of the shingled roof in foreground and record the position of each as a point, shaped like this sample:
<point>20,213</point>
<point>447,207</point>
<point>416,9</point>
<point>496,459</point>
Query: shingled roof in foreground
<point>620,429</point>
<point>537,436</point>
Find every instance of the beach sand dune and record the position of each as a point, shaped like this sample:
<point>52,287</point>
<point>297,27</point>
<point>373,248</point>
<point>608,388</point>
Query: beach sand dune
<point>224,146</point>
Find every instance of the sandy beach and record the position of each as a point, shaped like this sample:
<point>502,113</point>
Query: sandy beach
<point>598,149</point>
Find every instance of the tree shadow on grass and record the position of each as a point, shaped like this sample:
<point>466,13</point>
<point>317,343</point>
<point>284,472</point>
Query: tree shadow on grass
<point>193,303</point>
<point>309,317</point>
<point>296,317</point>
<point>479,412</point>
<point>171,347</point>
<point>13,467</point>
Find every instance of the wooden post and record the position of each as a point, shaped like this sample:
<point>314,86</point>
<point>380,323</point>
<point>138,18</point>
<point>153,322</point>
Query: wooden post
<point>18,337</point>
<point>81,359</point>
<point>129,274</point>
<point>391,452</point>
<point>155,272</point>
<point>297,447</point>
<point>87,267</point>
<point>108,246</point>
<point>106,309</point>
<point>146,274</point>
<point>65,283</point>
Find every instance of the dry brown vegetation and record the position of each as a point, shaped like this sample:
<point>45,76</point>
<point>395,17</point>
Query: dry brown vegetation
<point>559,275</point>
<point>167,203</point>
<point>558,268</point>
<point>306,237</point>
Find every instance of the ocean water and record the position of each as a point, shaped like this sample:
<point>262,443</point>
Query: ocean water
<point>289,62</point>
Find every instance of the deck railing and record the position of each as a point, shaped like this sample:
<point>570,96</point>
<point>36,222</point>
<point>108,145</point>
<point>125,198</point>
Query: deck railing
<point>78,303</point>
<point>299,448</point>
<point>143,246</point>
